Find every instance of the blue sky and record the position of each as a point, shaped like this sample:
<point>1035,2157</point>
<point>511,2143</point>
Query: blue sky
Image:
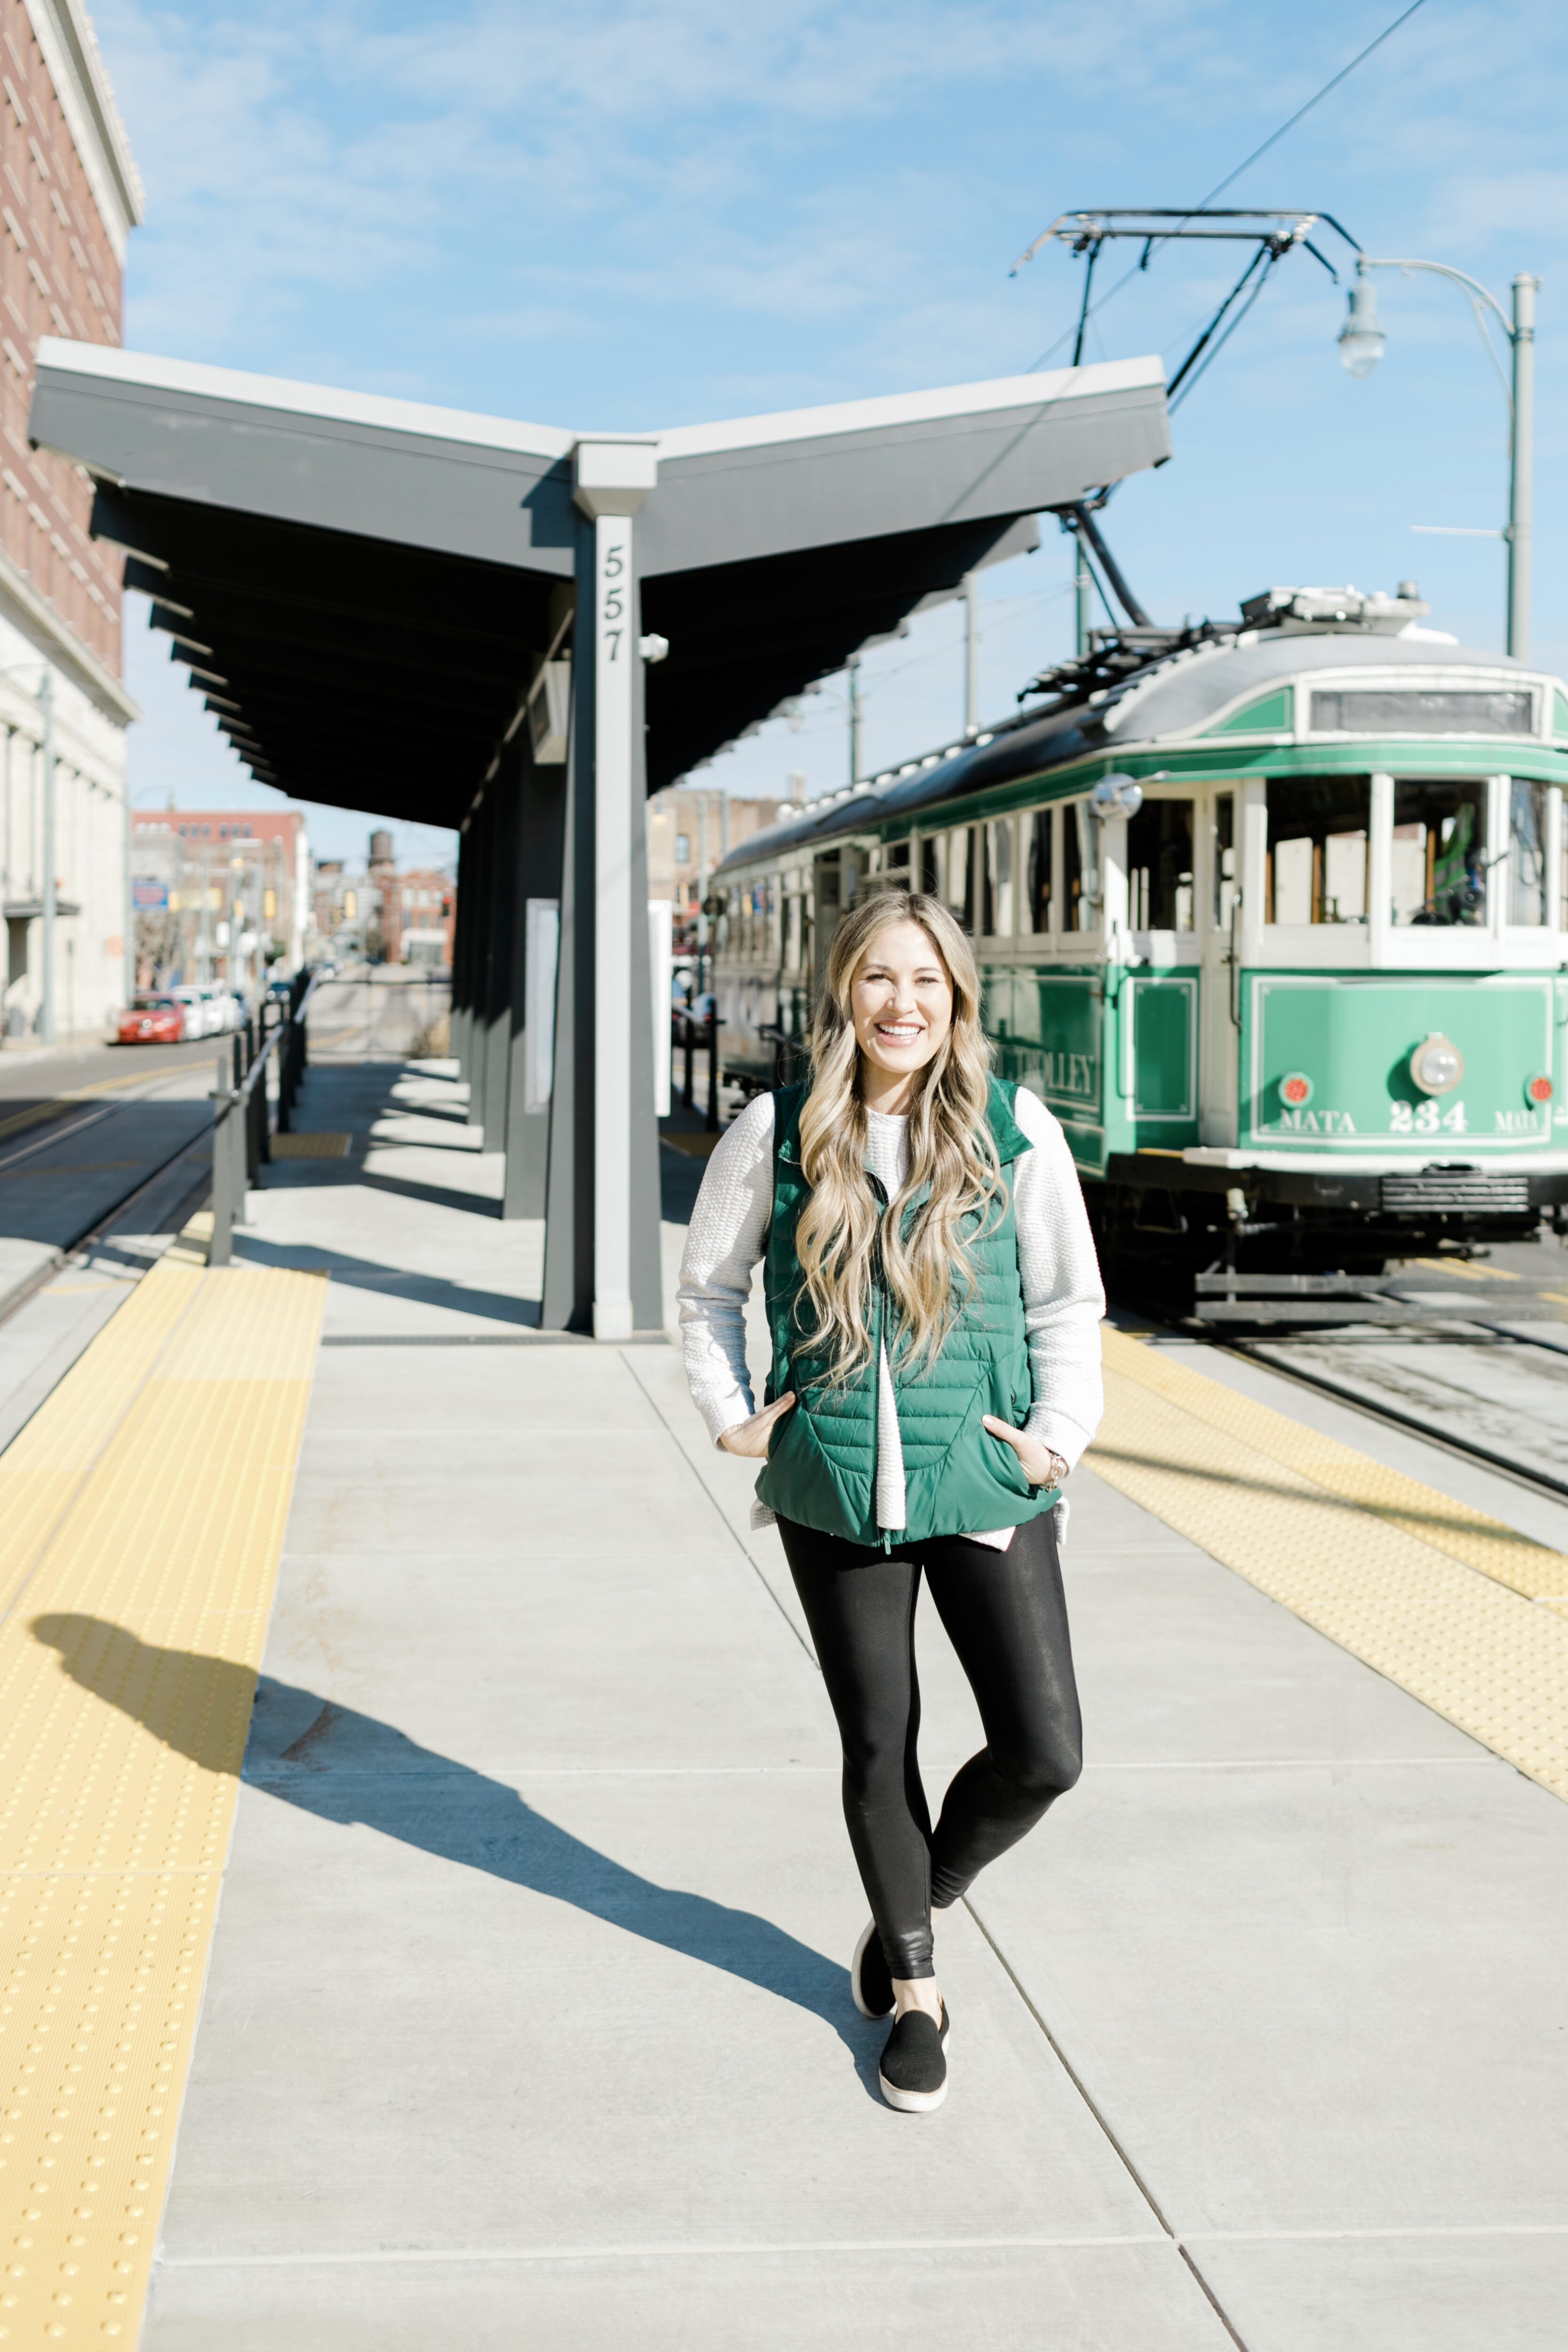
<point>637,215</point>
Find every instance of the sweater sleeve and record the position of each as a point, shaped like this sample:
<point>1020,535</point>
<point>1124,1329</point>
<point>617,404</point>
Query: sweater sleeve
<point>727,1235</point>
<point>1063,1299</point>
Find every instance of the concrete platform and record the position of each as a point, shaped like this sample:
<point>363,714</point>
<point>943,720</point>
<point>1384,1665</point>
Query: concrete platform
<point>528,2018</point>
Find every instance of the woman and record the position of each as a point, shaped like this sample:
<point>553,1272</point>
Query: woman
<point>933,1302</point>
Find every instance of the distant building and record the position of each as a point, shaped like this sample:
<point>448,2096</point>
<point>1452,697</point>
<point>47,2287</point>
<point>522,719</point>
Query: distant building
<point>688,832</point>
<point>71,198</point>
<point>424,918</point>
<point>386,916</point>
<point>220,895</point>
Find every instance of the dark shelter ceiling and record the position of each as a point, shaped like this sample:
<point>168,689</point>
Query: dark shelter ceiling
<point>362,588</point>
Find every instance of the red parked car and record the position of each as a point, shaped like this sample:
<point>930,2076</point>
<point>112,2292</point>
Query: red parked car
<point>153,1021</point>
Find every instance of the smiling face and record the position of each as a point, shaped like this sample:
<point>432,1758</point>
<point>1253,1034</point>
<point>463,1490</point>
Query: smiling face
<point>900,1001</point>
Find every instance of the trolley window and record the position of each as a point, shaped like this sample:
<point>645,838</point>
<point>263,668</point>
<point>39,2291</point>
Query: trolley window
<point>1225,884</point>
<point>1527,852</point>
<point>1037,909</point>
<point>1160,867</point>
<point>1439,867</point>
<point>1080,873</point>
<point>1317,849</point>
<point>997,914</point>
<point>962,861</point>
<point>1363,710</point>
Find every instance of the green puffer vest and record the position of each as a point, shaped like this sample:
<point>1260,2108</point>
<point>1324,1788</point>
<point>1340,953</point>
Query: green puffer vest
<point>958,1480</point>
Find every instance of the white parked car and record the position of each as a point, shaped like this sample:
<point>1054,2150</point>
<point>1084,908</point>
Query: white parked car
<point>202,1017</point>
<point>209,1012</point>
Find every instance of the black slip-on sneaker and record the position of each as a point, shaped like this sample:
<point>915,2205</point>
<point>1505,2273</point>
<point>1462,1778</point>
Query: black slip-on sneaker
<point>913,2069</point>
<point>870,1978</point>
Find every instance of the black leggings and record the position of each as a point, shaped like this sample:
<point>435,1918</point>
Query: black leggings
<point>1005,1617</point>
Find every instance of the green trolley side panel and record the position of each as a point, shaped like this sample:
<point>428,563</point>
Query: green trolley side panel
<point>1350,1038</point>
<point>1048,1032</point>
<point>1162,1009</point>
<point>1272,713</point>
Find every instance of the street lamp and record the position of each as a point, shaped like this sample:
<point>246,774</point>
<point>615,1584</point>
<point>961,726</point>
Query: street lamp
<point>1362,337</point>
<point>1362,342</point>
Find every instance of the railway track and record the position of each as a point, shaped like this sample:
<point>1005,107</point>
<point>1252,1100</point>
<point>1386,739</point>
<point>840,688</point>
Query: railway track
<point>1449,1437</point>
<point>1459,1372</point>
<point>44,1126</point>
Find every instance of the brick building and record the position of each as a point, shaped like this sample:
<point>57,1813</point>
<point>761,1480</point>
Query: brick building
<point>219,894</point>
<point>419,917</point>
<point>70,195</point>
<point>688,832</point>
<point>383,914</point>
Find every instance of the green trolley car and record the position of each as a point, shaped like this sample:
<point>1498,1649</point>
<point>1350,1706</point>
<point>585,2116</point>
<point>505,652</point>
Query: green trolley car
<point>1271,913</point>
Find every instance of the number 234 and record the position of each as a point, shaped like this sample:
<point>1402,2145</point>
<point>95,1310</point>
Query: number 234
<point>1426,1119</point>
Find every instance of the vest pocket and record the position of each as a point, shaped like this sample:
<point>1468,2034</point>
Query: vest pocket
<point>801,1481</point>
<point>1004,1463</point>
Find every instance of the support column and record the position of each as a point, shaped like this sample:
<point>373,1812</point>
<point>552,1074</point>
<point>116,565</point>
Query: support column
<point>460,936</point>
<point>500,798</point>
<point>602,1263</point>
<point>480,835</point>
<point>536,916</point>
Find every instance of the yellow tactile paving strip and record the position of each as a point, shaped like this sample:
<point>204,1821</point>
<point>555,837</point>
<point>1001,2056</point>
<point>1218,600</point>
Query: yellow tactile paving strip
<point>305,1145</point>
<point>143,1510</point>
<point>1442,1600</point>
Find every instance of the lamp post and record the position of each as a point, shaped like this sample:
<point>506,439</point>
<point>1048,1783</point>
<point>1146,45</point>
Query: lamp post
<point>1362,340</point>
<point>971,653</point>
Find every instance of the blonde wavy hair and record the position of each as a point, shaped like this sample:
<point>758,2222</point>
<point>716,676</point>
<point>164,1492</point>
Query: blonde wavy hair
<point>950,1148</point>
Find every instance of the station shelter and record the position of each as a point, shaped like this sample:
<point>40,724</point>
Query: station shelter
<point>519,631</point>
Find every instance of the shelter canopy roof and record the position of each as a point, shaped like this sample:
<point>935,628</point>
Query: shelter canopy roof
<point>362,586</point>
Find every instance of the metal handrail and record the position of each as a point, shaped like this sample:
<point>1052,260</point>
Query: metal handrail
<point>240,1128</point>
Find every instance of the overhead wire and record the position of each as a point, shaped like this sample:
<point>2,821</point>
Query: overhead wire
<point>1229,181</point>
<point>1195,375</point>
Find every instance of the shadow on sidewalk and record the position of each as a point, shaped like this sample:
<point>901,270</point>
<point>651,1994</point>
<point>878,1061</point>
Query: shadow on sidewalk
<point>391,1281</point>
<point>349,1768</point>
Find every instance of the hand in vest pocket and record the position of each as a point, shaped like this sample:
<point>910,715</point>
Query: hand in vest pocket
<point>1040,1466</point>
<point>751,1438</point>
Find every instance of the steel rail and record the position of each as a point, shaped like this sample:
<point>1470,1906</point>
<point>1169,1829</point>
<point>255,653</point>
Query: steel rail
<point>1250,1351</point>
<point>73,1251</point>
<point>1463,1449</point>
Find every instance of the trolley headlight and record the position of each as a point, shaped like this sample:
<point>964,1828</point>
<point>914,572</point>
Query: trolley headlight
<point>1437,1065</point>
<point>1117,795</point>
<point>1538,1089</point>
<point>1296,1088</point>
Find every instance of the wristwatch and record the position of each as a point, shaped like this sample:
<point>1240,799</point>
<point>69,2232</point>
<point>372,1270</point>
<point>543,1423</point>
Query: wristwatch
<point>1058,1477</point>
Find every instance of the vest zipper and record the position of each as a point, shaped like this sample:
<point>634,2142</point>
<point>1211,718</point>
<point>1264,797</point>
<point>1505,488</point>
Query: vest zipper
<point>880,1285</point>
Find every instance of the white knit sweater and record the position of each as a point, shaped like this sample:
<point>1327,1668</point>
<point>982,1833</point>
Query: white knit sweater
<point>1063,1301</point>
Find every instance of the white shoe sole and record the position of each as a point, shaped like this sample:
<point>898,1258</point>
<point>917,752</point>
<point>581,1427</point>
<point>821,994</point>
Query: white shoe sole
<point>910,2102</point>
<point>866,1935</point>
